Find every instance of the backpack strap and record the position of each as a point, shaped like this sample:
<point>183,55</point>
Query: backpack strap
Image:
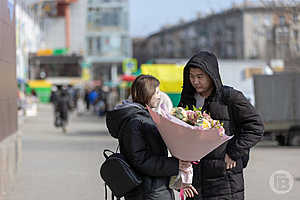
<point>226,94</point>
<point>105,193</point>
<point>113,197</point>
<point>118,147</point>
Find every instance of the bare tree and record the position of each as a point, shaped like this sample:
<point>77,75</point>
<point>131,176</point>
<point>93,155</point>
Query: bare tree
<point>291,9</point>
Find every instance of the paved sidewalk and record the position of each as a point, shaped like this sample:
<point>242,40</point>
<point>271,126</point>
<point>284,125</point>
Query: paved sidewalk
<point>61,166</point>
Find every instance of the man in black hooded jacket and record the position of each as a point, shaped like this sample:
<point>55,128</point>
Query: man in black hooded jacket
<point>219,175</point>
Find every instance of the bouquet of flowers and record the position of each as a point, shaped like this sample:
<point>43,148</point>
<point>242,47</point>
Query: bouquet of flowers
<point>197,118</point>
<point>189,135</point>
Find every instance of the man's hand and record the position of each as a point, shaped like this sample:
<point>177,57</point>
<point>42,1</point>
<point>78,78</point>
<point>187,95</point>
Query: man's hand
<point>229,162</point>
<point>189,191</point>
<point>183,165</point>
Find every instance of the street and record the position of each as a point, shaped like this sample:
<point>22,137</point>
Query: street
<point>65,166</point>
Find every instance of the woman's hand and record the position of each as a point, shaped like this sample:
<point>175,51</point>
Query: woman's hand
<point>229,162</point>
<point>189,191</point>
<point>183,165</point>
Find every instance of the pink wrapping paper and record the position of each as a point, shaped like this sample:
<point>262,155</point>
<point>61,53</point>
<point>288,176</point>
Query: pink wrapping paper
<point>184,141</point>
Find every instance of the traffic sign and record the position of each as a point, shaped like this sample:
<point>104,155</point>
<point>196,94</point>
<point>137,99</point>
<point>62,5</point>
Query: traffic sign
<point>129,65</point>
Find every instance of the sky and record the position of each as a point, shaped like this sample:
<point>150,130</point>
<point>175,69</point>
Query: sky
<point>148,16</point>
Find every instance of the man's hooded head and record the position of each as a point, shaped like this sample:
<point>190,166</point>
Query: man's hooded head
<point>208,63</point>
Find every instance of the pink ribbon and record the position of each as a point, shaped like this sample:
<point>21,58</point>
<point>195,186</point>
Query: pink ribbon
<point>181,194</point>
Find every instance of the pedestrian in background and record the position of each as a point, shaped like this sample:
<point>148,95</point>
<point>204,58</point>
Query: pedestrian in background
<point>80,102</point>
<point>86,98</point>
<point>53,95</point>
<point>93,96</point>
<point>63,106</point>
<point>112,98</point>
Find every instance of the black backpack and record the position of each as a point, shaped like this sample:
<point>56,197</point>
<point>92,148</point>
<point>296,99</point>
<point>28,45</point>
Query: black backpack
<point>226,94</point>
<point>118,175</point>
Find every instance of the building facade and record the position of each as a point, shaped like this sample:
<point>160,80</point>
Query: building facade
<point>58,60</point>
<point>93,33</point>
<point>9,137</point>
<point>107,37</point>
<point>28,37</point>
<point>241,32</point>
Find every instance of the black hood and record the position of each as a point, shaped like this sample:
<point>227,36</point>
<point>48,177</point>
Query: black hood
<point>118,117</point>
<point>208,63</point>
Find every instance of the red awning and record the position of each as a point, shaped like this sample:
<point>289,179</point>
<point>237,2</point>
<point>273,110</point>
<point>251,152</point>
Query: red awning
<point>129,78</point>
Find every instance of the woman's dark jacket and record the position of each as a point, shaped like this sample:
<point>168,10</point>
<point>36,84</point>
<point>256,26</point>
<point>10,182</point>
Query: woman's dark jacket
<point>144,149</point>
<point>240,119</point>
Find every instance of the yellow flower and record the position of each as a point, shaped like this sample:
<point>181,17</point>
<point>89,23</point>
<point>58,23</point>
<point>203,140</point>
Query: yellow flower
<point>206,124</point>
<point>173,110</point>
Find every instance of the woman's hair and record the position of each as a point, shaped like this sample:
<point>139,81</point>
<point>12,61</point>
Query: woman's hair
<point>143,88</point>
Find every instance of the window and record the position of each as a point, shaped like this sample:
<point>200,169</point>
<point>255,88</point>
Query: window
<point>267,20</point>
<point>255,19</point>
<point>296,33</point>
<point>98,44</point>
<point>282,35</point>
<point>90,45</point>
<point>115,42</point>
<point>191,33</point>
<point>115,17</point>
<point>295,18</point>
<point>125,45</point>
<point>109,17</point>
<point>254,52</point>
<point>229,50</point>
<point>107,45</point>
<point>90,18</point>
<point>202,41</point>
<point>100,17</point>
<point>107,40</point>
<point>170,47</point>
<point>229,34</point>
<point>281,20</point>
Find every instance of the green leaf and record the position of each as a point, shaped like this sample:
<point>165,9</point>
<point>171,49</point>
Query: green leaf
<point>194,108</point>
<point>186,108</point>
<point>180,116</point>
